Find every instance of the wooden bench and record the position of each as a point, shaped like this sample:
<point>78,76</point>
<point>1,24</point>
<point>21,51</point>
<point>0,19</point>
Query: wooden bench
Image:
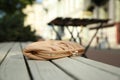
<point>14,66</point>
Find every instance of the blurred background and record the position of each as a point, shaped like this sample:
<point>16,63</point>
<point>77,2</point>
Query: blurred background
<point>27,20</point>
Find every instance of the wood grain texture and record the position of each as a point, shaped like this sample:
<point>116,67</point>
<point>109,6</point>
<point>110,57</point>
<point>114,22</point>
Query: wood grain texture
<point>2,44</point>
<point>4,49</point>
<point>83,71</point>
<point>13,67</point>
<point>45,70</point>
<point>102,66</point>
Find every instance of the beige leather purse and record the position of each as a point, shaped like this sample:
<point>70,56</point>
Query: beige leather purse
<point>52,49</point>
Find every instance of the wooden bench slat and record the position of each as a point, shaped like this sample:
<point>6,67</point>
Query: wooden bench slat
<point>13,67</point>
<point>83,71</point>
<point>45,70</point>
<point>99,65</point>
<point>2,44</point>
<point>77,67</point>
<point>5,47</point>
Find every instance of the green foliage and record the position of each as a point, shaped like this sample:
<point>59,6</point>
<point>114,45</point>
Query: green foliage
<point>100,2</point>
<point>10,6</point>
<point>12,29</point>
<point>12,23</point>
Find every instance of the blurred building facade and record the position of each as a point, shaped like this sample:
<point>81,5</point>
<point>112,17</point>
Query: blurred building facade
<point>41,13</point>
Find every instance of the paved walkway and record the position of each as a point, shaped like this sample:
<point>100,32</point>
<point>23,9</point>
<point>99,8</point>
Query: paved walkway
<point>109,56</point>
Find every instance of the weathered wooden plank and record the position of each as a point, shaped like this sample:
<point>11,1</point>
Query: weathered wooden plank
<point>24,44</point>
<point>105,67</point>
<point>2,44</point>
<point>45,70</point>
<point>13,67</point>
<point>83,71</point>
<point>5,47</point>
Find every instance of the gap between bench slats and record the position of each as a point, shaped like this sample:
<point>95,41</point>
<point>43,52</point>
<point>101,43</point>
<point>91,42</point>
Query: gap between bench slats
<point>80,70</point>
<point>102,66</point>
<point>45,70</point>
<point>13,67</point>
<point>5,47</point>
<point>83,71</point>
